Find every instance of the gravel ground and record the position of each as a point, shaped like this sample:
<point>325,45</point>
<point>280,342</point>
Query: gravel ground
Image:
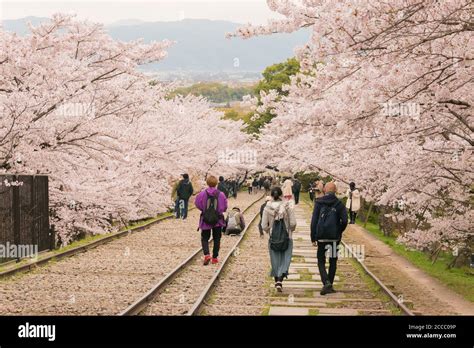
<point>182,292</point>
<point>106,279</point>
<point>243,288</point>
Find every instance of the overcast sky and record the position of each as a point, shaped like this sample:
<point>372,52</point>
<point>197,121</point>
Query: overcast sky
<point>108,11</point>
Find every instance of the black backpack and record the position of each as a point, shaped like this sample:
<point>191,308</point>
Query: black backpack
<point>210,215</point>
<point>329,223</point>
<point>279,239</point>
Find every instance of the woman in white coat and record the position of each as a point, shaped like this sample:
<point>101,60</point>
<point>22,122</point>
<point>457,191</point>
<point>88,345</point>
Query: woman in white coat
<point>280,259</point>
<point>287,189</point>
<point>353,202</point>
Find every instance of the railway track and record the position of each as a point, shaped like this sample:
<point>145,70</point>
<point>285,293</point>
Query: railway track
<point>184,290</point>
<point>103,280</point>
<point>245,291</point>
<point>393,298</point>
<point>43,258</point>
<point>187,289</point>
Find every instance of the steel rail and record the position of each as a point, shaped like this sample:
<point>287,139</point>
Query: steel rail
<point>399,304</point>
<point>140,304</point>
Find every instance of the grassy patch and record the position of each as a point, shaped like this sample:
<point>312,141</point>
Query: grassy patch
<point>461,280</point>
<point>313,311</point>
<point>334,304</point>
<point>375,288</point>
<point>297,259</point>
<point>266,310</point>
<point>305,275</point>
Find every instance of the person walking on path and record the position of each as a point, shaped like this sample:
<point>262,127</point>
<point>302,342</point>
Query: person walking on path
<point>296,188</point>
<point>184,192</point>
<point>262,207</point>
<point>266,185</point>
<point>223,187</point>
<point>212,203</point>
<point>249,182</point>
<point>328,222</point>
<point>311,191</point>
<point>279,221</point>
<point>255,186</point>
<point>353,202</point>
<point>287,189</point>
<point>235,187</point>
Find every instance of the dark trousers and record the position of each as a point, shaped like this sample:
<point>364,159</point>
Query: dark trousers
<point>181,211</point>
<point>216,236</point>
<point>352,215</point>
<point>322,248</point>
<point>297,197</point>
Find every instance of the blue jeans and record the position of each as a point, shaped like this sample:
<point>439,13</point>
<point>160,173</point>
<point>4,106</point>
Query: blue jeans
<point>181,211</point>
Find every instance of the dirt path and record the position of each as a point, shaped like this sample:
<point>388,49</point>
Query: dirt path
<point>428,295</point>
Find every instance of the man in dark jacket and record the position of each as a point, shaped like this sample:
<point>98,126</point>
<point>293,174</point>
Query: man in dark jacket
<point>184,192</point>
<point>328,222</point>
<point>222,186</point>
<point>235,187</point>
<point>296,188</point>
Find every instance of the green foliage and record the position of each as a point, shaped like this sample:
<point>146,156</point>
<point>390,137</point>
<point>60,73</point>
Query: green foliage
<point>460,279</point>
<point>215,92</point>
<point>306,178</point>
<point>277,75</point>
<point>237,114</point>
<point>254,125</point>
<point>274,77</point>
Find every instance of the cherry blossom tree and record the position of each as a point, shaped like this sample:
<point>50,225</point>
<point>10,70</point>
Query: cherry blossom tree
<point>73,105</point>
<point>384,99</point>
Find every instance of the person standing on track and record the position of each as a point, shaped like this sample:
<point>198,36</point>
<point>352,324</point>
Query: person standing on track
<point>255,185</point>
<point>328,222</point>
<point>279,220</point>
<point>223,187</point>
<point>212,203</point>
<point>249,184</point>
<point>184,192</point>
<point>266,185</point>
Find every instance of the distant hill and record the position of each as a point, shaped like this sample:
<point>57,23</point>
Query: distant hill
<point>201,44</point>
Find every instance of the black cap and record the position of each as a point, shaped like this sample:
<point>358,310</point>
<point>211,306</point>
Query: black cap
<point>185,176</point>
